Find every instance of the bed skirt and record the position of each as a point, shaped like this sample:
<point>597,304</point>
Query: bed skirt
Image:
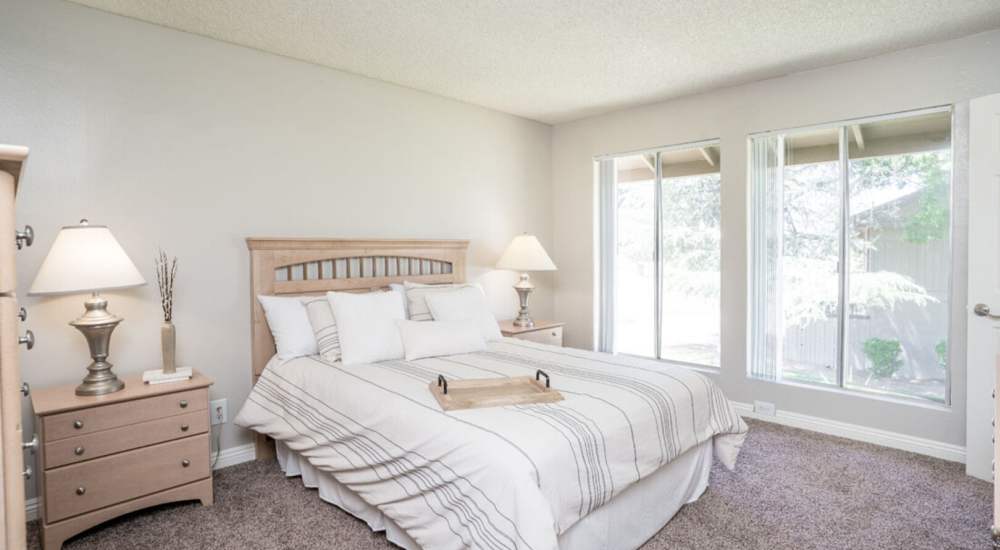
<point>625,523</point>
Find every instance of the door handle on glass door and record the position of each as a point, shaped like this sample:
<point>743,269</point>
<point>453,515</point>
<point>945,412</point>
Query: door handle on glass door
<point>983,310</point>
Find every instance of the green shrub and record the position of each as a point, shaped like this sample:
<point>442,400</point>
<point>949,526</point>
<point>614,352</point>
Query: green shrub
<point>942,353</point>
<point>884,356</point>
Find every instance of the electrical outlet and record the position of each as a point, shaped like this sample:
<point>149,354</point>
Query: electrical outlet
<point>764,408</point>
<point>220,411</point>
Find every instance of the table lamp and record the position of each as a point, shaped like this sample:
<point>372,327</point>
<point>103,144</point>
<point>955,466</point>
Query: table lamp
<point>88,258</point>
<point>524,254</point>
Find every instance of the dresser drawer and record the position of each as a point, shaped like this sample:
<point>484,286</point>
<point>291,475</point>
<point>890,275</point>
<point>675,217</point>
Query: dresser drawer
<point>552,336</point>
<point>105,417</point>
<point>98,444</point>
<point>80,488</point>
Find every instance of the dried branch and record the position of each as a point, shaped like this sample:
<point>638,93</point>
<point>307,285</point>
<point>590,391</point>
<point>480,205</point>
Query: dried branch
<point>166,273</point>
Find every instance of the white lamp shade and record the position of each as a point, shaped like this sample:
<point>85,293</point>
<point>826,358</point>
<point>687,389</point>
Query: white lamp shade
<point>85,258</point>
<point>525,253</point>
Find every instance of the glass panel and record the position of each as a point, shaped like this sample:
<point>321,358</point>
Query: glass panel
<point>690,237</point>
<point>900,256</point>
<point>808,278</point>
<point>634,252</point>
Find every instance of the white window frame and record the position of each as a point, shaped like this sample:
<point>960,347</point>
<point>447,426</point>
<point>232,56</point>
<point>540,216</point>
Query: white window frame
<point>955,218</point>
<point>604,168</point>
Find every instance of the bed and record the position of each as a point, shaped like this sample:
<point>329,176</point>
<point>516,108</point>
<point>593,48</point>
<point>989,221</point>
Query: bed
<point>632,441</point>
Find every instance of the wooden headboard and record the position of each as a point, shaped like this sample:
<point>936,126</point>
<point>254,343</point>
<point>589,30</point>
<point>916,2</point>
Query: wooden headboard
<point>281,266</point>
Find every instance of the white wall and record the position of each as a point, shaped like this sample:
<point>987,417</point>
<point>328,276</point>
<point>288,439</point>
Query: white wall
<point>190,144</point>
<point>949,72</point>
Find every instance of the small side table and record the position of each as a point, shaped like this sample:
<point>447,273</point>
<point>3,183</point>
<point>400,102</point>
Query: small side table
<point>104,456</point>
<point>544,332</point>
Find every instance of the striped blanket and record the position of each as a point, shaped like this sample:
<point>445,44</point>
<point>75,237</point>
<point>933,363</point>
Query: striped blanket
<point>507,477</point>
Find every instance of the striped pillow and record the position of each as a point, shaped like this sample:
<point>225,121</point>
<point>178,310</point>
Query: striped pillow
<point>324,327</point>
<point>416,298</point>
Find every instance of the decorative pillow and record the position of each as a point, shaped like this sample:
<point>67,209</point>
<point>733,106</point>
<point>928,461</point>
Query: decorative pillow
<point>467,305</point>
<point>367,325</point>
<point>416,298</point>
<point>324,327</point>
<point>400,288</point>
<point>289,324</point>
<point>436,338</point>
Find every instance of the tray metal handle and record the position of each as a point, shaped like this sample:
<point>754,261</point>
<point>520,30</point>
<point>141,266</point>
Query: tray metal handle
<point>444,383</point>
<point>539,373</point>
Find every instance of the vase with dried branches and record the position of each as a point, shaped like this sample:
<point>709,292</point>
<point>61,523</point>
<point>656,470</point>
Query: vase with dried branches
<point>166,272</point>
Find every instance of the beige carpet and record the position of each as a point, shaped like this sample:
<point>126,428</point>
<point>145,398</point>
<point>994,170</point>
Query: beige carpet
<point>791,490</point>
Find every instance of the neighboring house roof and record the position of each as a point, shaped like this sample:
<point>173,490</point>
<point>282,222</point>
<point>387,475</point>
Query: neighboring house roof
<point>884,206</point>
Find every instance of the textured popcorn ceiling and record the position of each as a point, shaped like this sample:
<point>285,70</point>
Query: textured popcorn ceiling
<point>559,60</point>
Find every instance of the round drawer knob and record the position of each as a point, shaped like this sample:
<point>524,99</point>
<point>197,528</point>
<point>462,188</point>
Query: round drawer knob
<point>185,463</point>
<point>185,427</point>
<point>553,334</point>
<point>78,424</point>
<point>24,238</point>
<point>28,339</point>
<point>78,451</point>
<point>184,403</point>
<point>81,490</point>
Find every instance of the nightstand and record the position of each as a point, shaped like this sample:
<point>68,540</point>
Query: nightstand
<point>544,332</point>
<point>104,456</point>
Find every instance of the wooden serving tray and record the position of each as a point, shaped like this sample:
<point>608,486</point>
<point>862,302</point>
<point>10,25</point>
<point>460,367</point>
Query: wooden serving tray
<point>493,392</point>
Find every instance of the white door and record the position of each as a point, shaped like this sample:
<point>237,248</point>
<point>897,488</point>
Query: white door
<point>984,282</point>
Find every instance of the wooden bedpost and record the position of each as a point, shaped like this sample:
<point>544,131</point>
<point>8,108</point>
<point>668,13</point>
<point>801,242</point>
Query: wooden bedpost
<point>261,341</point>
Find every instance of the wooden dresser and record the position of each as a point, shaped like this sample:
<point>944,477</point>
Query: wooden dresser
<point>104,456</point>
<point>544,332</point>
<point>12,471</point>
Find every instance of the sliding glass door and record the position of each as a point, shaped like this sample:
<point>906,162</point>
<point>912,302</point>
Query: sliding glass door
<point>851,255</point>
<point>690,214</point>
<point>662,229</point>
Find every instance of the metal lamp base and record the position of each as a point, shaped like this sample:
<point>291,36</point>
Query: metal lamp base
<point>97,324</point>
<point>524,288</point>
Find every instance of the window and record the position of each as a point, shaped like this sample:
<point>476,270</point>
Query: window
<point>851,255</point>
<point>661,277</point>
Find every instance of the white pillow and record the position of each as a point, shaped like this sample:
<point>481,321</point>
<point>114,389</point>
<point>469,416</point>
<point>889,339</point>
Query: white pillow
<point>436,338</point>
<point>367,325</point>
<point>289,324</point>
<point>324,327</point>
<point>468,305</point>
<point>416,294</point>
<point>400,288</point>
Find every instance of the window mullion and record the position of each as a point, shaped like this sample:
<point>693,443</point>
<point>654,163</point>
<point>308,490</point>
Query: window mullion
<point>843,309</point>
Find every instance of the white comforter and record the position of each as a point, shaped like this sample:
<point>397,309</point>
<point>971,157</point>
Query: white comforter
<point>505,477</point>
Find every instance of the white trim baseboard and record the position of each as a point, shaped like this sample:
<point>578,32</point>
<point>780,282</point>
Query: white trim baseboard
<point>228,457</point>
<point>919,445</point>
<point>235,455</point>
